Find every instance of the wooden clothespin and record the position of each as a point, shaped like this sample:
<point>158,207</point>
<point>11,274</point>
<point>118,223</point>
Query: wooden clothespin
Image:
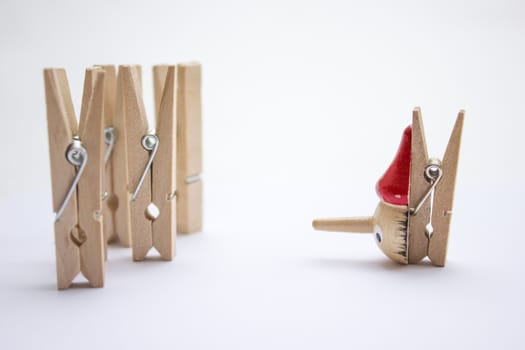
<point>412,220</point>
<point>116,204</point>
<point>188,144</point>
<point>189,148</point>
<point>430,225</point>
<point>76,157</point>
<point>151,162</point>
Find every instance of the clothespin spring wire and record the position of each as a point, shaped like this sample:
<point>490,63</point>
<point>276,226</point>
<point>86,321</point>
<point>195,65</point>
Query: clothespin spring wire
<point>433,174</point>
<point>150,142</point>
<point>109,139</point>
<point>77,156</point>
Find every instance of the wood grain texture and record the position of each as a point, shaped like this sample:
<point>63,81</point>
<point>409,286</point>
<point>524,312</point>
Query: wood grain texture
<point>116,220</point>
<point>444,196</point>
<point>110,86</point>
<point>163,168</point>
<point>110,93</point>
<point>62,125</point>
<point>91,182</point>
<point>136,128</point>
<point>189,148</point>
<point>417,239</point>
<point>159,81</point>
<point>119,165</point>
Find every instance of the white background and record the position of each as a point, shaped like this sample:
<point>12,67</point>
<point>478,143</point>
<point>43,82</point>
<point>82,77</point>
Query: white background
<point>304,104</point>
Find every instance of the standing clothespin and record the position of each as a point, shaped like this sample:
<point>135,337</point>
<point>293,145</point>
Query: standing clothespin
<point>76,158</point>
<point>189,148</point>
<point>115,200</point>
<point>151,164</point>
<point>412,220</point>
<point>432,184</point>
<point>189,142</point>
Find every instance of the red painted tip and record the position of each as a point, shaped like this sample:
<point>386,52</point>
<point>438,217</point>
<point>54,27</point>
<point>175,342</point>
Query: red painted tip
<point>392,187</point>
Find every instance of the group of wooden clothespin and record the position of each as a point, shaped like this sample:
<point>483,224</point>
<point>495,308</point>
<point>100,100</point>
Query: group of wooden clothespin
<point>114,179</point>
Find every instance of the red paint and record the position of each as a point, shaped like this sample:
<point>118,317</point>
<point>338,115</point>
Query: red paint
<point>392,187</point>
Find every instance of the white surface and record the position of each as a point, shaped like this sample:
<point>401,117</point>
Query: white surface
<point>304,106</point>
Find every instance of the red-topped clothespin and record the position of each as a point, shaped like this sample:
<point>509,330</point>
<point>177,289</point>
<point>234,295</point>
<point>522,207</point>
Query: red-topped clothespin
<point>412,219</point>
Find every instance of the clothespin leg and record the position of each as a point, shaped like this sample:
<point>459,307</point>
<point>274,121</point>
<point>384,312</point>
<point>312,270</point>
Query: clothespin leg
<point>66,251</point>
<point>444,196</point>
<point>61,127</point>
<point>189,148</point>
<point>417,240</point>
<point>110,201</point>
<point>163,172</point>
<point>136,128</point>
<point>119,204</point>
<point>90,186</point>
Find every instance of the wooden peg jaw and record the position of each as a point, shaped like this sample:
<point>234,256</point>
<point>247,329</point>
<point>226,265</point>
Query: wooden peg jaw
<point>111,198</point>
<point>417,240</point>
<point>90,186</point>
<point>163,171</point>
<point>78,231</point>
<point>444,196</point>
<point>62,126</point>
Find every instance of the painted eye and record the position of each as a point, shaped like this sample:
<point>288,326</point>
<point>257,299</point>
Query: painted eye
<point>379,237</point>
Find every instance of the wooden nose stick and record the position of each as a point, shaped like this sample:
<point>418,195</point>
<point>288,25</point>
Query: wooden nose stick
<point>355,225</point>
